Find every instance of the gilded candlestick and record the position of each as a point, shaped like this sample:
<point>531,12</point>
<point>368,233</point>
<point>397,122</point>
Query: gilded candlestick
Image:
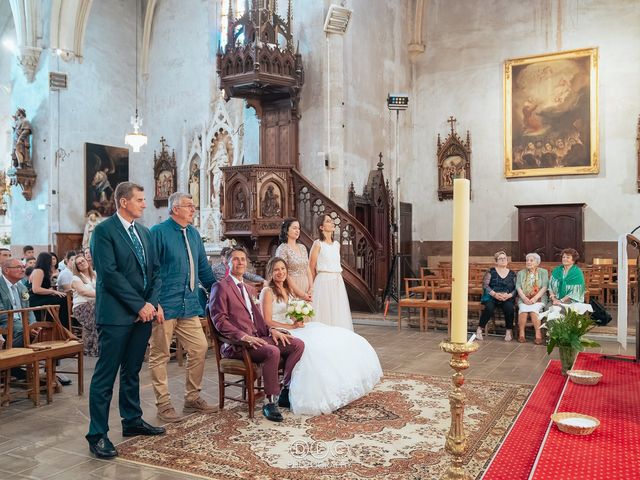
<point>456,441</point>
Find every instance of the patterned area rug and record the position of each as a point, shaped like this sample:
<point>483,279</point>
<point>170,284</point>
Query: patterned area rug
<point>394,433</point>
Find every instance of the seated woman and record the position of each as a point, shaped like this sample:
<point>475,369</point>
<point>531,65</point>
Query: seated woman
<point>83,285</point>
<point>337,366</point>
<point>531,285</point>
<point>42,291</point>
<point>499,291</point>
<point>567,280</point>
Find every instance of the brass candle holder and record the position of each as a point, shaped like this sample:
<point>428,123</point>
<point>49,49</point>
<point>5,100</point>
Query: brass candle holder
<point>456,442</point>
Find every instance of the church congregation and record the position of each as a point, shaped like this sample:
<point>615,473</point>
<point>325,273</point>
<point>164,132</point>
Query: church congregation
<point>313,240</point>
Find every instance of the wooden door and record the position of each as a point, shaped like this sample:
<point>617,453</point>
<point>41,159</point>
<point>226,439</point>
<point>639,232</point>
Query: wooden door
<point>549,229</point>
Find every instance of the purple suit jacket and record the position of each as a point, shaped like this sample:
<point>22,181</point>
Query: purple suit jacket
<point>230,316</point>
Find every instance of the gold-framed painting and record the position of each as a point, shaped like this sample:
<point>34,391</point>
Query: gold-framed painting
<point>551,114</point>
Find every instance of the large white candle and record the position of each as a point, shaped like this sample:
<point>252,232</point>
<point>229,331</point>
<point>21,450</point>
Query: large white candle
<point>460,261</point>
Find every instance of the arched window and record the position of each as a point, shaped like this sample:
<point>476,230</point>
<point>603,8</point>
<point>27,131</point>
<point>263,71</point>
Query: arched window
<point>238,11</point>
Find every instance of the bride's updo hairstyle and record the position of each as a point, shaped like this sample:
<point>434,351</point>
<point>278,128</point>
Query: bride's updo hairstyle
<point>277,291</point>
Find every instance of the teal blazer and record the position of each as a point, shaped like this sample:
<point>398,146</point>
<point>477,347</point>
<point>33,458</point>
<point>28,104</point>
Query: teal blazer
<point>120,291</point>
<point>7,304</point>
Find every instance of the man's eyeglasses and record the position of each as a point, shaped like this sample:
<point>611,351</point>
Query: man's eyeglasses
<point>17,266</point>
<point>187,206</point>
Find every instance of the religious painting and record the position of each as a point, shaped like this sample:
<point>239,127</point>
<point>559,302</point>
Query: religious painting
<point>551,114</point>
<point>165,175</point>
<point>453,160</point>
<point>105,167</point>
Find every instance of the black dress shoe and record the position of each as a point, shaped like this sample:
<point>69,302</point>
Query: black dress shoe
<point>103,448</point>
<point>143,428</point>
<point>64,380</point>
<point>271,412</point>
<point>283,399</point>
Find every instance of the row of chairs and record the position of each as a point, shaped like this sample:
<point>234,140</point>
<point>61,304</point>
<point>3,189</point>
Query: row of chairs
<point>46,342</point>
<point>432,291</point>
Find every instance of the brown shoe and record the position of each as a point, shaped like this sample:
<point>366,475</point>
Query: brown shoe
<point>538,341</point>
<point>198,405</point>
<point>521,340</point>
<point>167,413</point>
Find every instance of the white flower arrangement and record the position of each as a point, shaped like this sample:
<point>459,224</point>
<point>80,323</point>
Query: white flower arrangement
<point>299,310</point>
<point>25,296</point>
<point>255,300</point>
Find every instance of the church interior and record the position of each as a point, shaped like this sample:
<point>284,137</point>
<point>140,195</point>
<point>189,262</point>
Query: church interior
<point>370,112</point>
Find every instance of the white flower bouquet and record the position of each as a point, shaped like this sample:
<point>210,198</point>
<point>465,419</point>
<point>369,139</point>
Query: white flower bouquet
<point>299,310</point>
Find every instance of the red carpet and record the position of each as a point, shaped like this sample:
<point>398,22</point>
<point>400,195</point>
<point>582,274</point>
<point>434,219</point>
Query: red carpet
<point>613,450</point>
<point>518,452</point>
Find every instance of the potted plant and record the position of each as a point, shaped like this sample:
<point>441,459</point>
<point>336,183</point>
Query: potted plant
<point>565,330</point>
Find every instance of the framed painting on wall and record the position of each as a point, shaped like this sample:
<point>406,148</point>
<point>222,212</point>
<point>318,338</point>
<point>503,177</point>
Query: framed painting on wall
<point>551,114</point>
<point>105,167</point>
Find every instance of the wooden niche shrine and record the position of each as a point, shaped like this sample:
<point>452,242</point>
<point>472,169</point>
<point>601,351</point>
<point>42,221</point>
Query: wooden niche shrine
<point>164,174</point>
<point>454,161</point>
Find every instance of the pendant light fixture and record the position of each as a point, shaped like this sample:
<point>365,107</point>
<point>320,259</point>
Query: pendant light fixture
<point>136,139</point>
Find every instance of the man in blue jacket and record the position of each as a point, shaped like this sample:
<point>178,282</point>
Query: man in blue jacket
<point>126,305</point>
<point>183,267</point>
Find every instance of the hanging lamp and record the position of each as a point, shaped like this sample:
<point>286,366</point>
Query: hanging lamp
<point>136,139</point>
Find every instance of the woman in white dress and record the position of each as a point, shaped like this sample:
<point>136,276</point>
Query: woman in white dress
<point>337,366</point>
<point>330,299</point>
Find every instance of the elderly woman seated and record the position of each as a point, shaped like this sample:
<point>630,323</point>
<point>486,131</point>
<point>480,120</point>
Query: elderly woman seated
<point>499,291</point>
<point>531,285</point>
<point>567,280</point>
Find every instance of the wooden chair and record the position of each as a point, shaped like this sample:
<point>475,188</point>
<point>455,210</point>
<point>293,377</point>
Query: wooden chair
<point>432,303</point>
<point>250,372</point>
<point>11,357</point>
<point>415,298</point>
<point>53,343</point>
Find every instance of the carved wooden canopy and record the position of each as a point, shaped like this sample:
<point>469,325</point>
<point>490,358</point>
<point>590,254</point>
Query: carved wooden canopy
<point>165,175</point>
<point>454,161</point>
<point>258,60</point>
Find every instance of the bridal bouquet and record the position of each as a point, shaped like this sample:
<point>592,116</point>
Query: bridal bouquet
<point>299,310</point>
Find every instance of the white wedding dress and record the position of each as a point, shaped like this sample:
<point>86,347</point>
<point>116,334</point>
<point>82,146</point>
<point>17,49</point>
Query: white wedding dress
<point>330,299</point>
<point>336,368</point>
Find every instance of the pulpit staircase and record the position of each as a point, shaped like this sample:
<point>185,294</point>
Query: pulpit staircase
<point>252,217</point>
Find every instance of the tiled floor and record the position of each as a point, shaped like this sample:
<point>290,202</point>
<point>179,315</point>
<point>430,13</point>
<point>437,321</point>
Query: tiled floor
<point>48,442</point>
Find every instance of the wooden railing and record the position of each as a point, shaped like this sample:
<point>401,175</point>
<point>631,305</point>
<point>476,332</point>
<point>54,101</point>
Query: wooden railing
<point>363,260</point>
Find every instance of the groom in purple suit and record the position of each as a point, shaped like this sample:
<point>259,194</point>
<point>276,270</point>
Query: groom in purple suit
<point>236,315</point>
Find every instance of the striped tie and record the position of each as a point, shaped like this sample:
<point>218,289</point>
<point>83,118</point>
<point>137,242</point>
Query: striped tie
<point>137,248</point>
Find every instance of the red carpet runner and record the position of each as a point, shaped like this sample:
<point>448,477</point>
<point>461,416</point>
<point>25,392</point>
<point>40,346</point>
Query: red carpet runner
<point>613,450</point>
<point>518,452</point>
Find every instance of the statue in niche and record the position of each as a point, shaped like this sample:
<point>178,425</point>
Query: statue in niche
<point>220,159</point>
<point>239,204</point>
<point>194,185</point>
<point>270,203</point>
<point>93,219</point>
<point>217,225</point>
<point>21,154</point>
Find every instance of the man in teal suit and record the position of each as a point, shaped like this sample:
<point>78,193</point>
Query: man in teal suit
<point>126,305</point>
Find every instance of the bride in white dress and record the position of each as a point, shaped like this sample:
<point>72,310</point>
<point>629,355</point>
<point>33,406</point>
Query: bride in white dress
<point>330,299</point>
<point>337,366</point>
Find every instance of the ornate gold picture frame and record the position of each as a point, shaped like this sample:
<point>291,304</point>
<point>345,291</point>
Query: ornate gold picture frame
<point>551,114</point>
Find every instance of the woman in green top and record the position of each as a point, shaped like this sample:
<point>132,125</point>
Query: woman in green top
<point>566,284</point>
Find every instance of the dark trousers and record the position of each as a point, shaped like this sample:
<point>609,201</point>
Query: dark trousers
<point>121,348</point>
<point>490,305</point>
<point>269,356</point>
